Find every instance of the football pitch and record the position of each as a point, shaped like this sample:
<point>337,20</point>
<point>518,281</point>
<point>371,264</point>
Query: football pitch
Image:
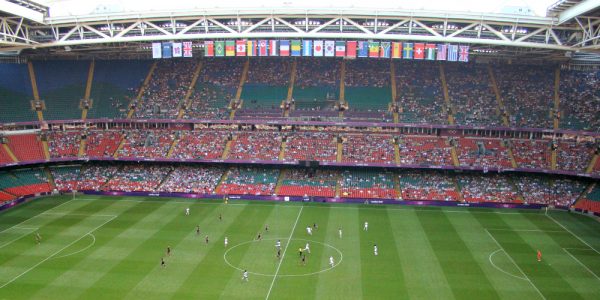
<point>96,247</point>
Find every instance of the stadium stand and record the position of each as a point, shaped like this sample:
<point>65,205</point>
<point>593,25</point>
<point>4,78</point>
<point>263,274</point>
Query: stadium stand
<point>24,182</point>
<point>554,191</point>
<point>200,145</point>
<point>318,146</point>
<point>317,85</point>
<point>309,182</point>
<point>535,154</point>
<point>66,178</point>
<point>102,143</point>
<point>115,85</point>
<point>26,147</point>
<point>424,150</point>
<point>590,201</point>
<point>147,144</point>
<point>134,178</point>
<point>527,93</point>
<point>419,93</point>
<point>190,179</point>
<point>422,185</point>
<point>4,157</point>
<point>482,152</point>
<point>62,97</point>
<point>64,143</point>
<point>367,184</point>
<point>266,85</point>
<point>15,94</point>
<point>360,148</point>
<point>94,177</point>
<point>256,146</point>
<point>249,181</point>
<point>580,100</point>
<point>574,156</point>
<point>486,188</point>
<point>471,96</point>
<point>368,90</point>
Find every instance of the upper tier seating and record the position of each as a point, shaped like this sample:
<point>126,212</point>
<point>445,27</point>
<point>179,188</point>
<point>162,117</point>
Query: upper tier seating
<point>580,100</point>
<point>425,150</point>
<point>147,144</point>
<point>535,154</point>
<point>319,146</point>
<point>316,81</point>
<point>360,148</point>
<point>200,145</point>
<point>64,143</point>
<point>256,146</point>
<point>26,147</point>
<point>102,143</point>
<point>368,89</point>
<point>115,85</point>
<point>482,152</point>
<point>267,83</point>
<point>61,85</point>
<point>15,94</point>
<point>574,156</point>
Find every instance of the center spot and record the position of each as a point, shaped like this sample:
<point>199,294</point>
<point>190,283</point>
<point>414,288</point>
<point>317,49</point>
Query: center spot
<point>260,257</point>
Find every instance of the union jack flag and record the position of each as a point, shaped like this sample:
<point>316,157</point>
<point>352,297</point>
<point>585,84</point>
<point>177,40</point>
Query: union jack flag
<point>187,49</point>
<point>463,53</point>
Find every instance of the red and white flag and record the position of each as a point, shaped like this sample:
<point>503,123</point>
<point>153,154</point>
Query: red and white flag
<point>463,53</point>
<point>187,49</point>
<point>284,48</point>
<point>273,48</point>
<point>240,48</point>
<point>419,52</point>
<point>262,48</point>
<point>318,48</point>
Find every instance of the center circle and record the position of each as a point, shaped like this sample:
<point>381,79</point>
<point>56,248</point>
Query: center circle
<point>264,252</point>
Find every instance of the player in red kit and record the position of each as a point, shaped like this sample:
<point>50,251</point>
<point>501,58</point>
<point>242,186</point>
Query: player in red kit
<point>539,255</point>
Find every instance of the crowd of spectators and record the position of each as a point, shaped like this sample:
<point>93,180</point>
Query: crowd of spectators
<point>419,94</point>
<point>580,100</point>
<point>249,181</point>
<point>425,150</point>
<point>367,73</point>
<point>94,177</point>
<point>538,189</point>
<point>66,178</point>
<point>102,143</point>
<point>471,95</point>
<point>320,146</point>
<point>200,145</point>
<point>574,155</point>
<point>489,153</point>
<point>420,185</point>
<point>309,182</point>
<point>270,71</point>
<point>192,179</point>
<point>361,148</point>
<point>64,143</point>
<point>166,89</point>
<point>487,188</point>
<point>147,144</point>
<point>527,93</point>
<point>256,146</point>
<point>534,154</point>
<point>367,184</point>
<point>317,72</point>
<point>137,178</point>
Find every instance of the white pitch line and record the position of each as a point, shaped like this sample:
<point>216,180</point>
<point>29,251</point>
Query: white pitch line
<point>18,238</point>
<point>81,250</point>
<point>76,214</point>
<point>388,206</point>
<point>526,230</point>
<point>569,231</point>
<point>37,215</point>
<point>55,253</point>
<point>513,261</point>
<point>578,261</point>
<point>500,269</point>
<point>284,250</point>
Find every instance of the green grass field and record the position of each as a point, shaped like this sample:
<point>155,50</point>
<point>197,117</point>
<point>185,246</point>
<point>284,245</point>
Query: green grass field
<point>110,248</point>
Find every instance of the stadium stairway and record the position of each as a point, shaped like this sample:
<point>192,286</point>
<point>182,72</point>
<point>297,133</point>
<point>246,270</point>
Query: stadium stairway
<point>280,179</point>
<point>458,189</point>
<point>141,91</point>
<point>34,89</point>
<point>50,178</point>
<point>396,115</point>
<point>88,88</point>
<point>516,189</point>
<point>121,144</point>
<point>227,149</point>
<point>446,94</point>
<point>396,153</point>
<point>556,97</point>
<point>501,110</point>
<point>165,179</point>
<point>340,150</point>
<point>553,161</point>
<point>511,156</point>
<point>190,90</point>
<point>454,154</point>
<point>172,147</point>
<point>109,178</point>
<point>82,144</point>
<point>292,80</point>
<point>222,180</point>
<point>584,193</point>
<point>282,151</point>
<point>592,164</point>
<point>10,153</point>
<point>338,185</point>
<point>46,149</point>
<point>397,187</point>
<point>238,92</point>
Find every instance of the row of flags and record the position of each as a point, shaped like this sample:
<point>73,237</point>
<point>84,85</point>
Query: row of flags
<point>350,49</point>
<point>171,49</point>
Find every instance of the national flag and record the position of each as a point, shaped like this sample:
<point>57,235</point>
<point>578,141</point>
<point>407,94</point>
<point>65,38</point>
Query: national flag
<point>296,47</point>
<point>219,48</point>
<point>340,48</point>
<point>156,50</point>
<point>187,49</point>
<point>430,51</point>
<point>385,49</point>
<point>240,48</point>
<point>463,54</point>
<point>273,48</point>
<point>317,48</point>
<point>329,48</point>
<point>351,49</point>
<point>407,51</point>
<point>230,48</point>
<point>396,50</point>
<point>177,50</point>
<point>284,48</point>
<point>452,52</point>
<point>167,49</point>
<point>363,49</point>
<point>442,49</point>
<point>373,49</point>
<point>307,47</point>
<point>251,48</point>
<point>262,48</point>
<point>419,51</point>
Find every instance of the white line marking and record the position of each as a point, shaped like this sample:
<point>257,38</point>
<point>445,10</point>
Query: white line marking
<point>578,261</point>
<point>527,230</point>
<point>500,269</point>
<point>55,253</point>
<point>580,249</point>
<point>20,237</point>
<point>284,250</point>
<point>88,246</point>
<point>386,206</point>
<point>77,214</point>
<point>513,261</point>
<point>569,231</point>
<point>37,215</point>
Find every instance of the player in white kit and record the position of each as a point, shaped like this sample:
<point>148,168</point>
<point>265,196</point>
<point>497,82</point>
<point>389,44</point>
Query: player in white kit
<point>340,232</point>
<point>366,226</point>
<point>245,276</point>
<point>309,230</point>
<point>187,211</point>
<point>307,248</point>
<point>226,242</point>
<point>375,250</point>
<point>331,262</point>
